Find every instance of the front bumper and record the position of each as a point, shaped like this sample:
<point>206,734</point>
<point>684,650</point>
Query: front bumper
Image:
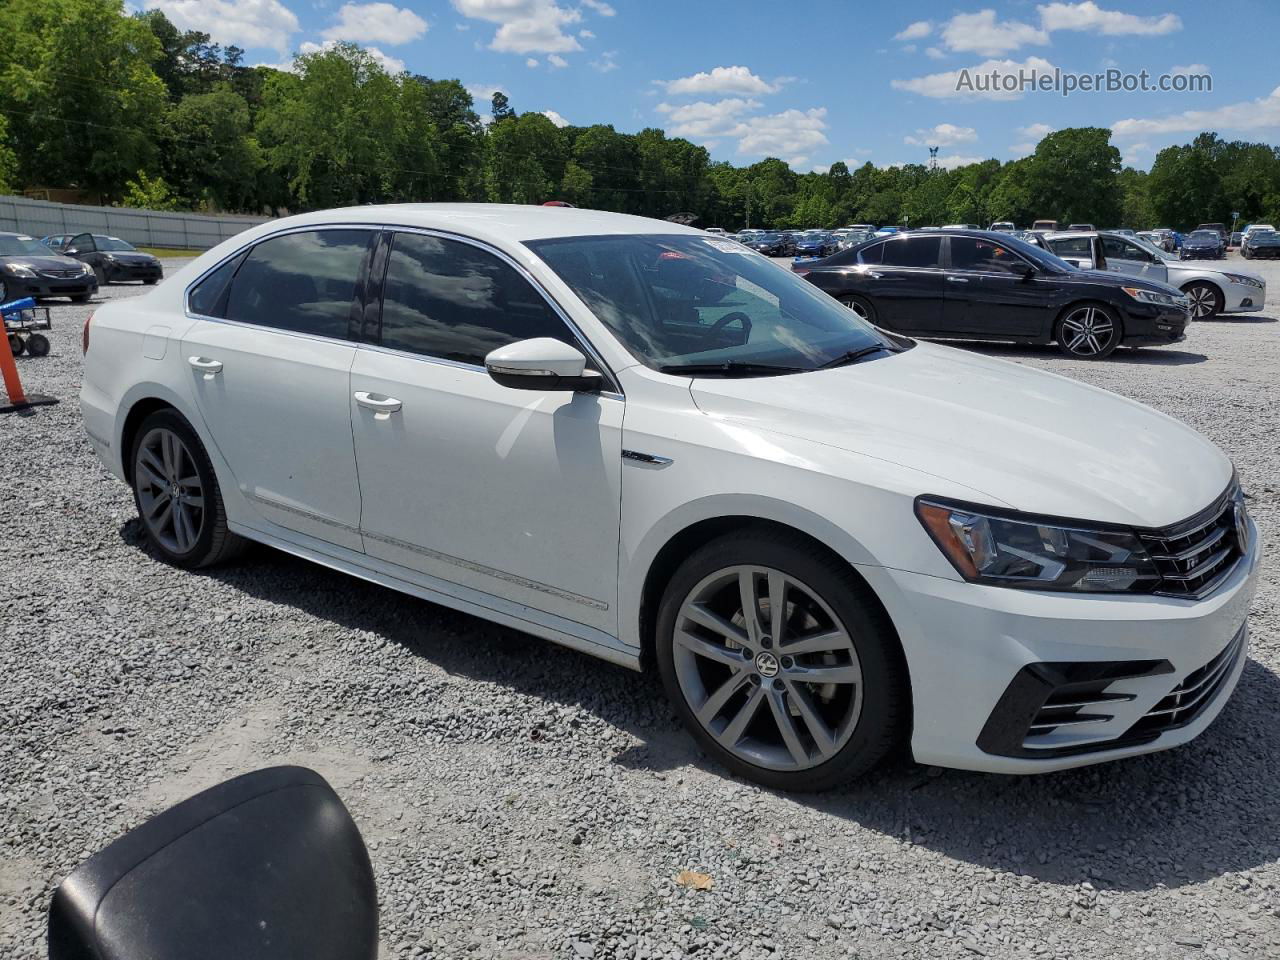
<point>42,286</point>
<point>966,645</point>
<point>1150,324</point>
<point>118,271</point>
<point>1243,297</point>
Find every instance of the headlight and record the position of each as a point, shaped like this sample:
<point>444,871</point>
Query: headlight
<point>1151,296</point>
<point>1036,554</point>
<point>19,269</point>
<point>1241,278</point>
<point>86,269</point>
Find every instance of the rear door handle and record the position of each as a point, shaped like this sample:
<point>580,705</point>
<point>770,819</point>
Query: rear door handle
<point>210,368</point>
<point>382,407</point>
<point>957,279</point>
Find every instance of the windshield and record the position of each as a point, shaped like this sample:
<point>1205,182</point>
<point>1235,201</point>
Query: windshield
<point>12,246</point>
<point>679,300</point>
<point>1205,236</point>
<point>1262,235</point>
<point>112,243</point>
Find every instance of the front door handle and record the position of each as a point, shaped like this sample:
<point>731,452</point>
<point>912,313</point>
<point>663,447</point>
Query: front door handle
<point>957,279</point>
<point>382,407</point>
<point>210,368</point>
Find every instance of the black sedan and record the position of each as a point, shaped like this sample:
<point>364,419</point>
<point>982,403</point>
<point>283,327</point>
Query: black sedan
<point>979,285</point>
<point>113,260</point>
<point>1262,243</point>
<point>1203,245</point>
<point>30,269</point>
<point>772,245</point>
<point>816,245</point>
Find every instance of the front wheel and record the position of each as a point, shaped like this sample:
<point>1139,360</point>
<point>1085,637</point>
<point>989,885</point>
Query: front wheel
<point>1206,300</point>
<point>177,494</point>
<point>781,662</point>
<point>1088,331</point>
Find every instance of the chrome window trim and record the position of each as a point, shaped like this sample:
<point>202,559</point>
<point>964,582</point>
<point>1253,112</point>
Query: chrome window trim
<point>502,255</point>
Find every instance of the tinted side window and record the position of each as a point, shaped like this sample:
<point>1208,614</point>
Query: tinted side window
<point>448,299</point>
<point>83,242</point>
<point>1077,248</point>
<point>872,254</point>
<point>303,282</point>
<point>972,253</point>
<point>1119,249</point>
<point>913,252</point>
<point>207,297</point>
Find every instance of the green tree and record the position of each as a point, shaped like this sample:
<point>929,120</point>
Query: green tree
<point>210,153</point>
<point>147,193</point>
<point>1074,176</point>
<point>8,159</point>
<point>459,139</point>
<point>77,84</point>
<point>526,159</point>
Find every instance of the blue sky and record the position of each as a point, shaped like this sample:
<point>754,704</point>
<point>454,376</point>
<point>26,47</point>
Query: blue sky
<point>811,83</point>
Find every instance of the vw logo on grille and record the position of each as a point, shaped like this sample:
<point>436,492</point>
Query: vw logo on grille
<point>1242,527</point>
<point>767,664</point>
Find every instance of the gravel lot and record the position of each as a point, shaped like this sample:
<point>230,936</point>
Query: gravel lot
<point>522,800</point>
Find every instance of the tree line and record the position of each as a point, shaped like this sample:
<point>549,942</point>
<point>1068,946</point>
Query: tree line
<point>130,109</point>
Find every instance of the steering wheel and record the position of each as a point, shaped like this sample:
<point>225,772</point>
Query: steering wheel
<point>727,319</point>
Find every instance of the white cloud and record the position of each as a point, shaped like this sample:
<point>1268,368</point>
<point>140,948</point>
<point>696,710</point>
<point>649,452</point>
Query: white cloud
<point>376,23</point>
<point>556,60</point>
<point>245,23</point>
<point>1189,68</point>
<point>915,31</point>
<point>701,120</point>
<point>586,35</point>
<point>389,63</point>
<point>942,86</point>
<point>1089,16</point>
<point>1036,131</point>
<point>721,80</point>
<point>783,134</point>
<point>531,63</point>
<point>1134,152</point>
<point>555,118</point>
<point>525,26</point>
<point>482,94</point>
<point>933,53</point>
<point>943,135</point>
<point>909,48</point>
<point>600,7</point>
<point>606,62</point>
<point>952,160</point>
<point>1260,114</point>
<point>983,34</point>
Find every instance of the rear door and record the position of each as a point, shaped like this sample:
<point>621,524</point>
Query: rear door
<point>906,282</point>
<point>990,291</point>
<point>270,364</point>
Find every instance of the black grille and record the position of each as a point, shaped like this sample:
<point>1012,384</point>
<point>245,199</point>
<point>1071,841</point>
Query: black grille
<point>62,273</point>
<point>1188,699</point>
<point>1195,556</point>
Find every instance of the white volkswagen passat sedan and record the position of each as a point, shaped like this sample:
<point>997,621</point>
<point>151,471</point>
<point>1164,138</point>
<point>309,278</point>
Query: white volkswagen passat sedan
<point>658,447</point>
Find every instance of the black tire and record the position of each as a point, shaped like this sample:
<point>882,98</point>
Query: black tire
<point>1206,300</point>
<point>16,345</point>
<point>150,283</point>
<point>100,275</point>
<point>214,542</point>
<point>1064,337</point>
<point>37,345</point>
<point>861,306</point>
<point>883,722</point>
<point>81,298</point>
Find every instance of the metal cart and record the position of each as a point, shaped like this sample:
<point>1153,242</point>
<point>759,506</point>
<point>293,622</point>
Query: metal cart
<point>22,321</point>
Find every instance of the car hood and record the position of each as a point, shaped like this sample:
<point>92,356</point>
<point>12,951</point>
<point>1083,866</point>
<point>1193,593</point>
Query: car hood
<point>45,262</point>
<point>1019,437</point>
<point>1128,280</point>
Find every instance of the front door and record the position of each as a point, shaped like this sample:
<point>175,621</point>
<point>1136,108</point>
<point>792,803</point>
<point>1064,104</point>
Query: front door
<point>270,372</point>
<point>493,490</point>
<point>990,292</point>
<point>1124,256</point>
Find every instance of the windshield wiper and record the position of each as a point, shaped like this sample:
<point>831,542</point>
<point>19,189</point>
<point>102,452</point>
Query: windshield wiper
<point>728,368</point>
<point>853,356</point>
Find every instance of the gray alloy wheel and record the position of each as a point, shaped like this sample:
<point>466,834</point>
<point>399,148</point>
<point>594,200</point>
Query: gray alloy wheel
<point>860,307</point>
<point>170,495</point>
<point>767,669</point>
<point>1205,300</point>
<point>1089,331</point>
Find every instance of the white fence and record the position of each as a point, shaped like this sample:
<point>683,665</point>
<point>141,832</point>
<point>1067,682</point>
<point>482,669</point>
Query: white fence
<point>143,228</point>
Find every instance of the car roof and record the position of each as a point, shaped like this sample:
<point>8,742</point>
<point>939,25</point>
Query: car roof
<point>499,221</point>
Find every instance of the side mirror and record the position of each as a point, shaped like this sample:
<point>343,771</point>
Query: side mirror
<point>265,866</point>
<point>542,363</point>
<point>71,250</point>
<point>1028,272</point>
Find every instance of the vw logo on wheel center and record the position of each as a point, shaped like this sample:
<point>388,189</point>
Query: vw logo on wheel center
<point>767,664</point>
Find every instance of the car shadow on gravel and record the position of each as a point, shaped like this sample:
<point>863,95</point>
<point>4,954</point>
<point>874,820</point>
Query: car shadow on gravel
<point>1166,819</point>
<point>1230,318</point>
<point>1145,356</point>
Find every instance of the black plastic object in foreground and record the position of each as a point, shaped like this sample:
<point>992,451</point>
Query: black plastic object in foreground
<point>268,866</point>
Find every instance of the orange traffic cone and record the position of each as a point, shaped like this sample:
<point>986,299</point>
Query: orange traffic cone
<point>18,400</point>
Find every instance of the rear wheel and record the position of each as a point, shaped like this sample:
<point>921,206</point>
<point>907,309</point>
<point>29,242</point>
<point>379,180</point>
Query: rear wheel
<point>1206,300</point>
<point>780,662</point>
<point>861,306</point>
<point>1089,331</point>
<point>177,494</point>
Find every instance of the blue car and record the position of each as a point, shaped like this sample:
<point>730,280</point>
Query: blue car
<point>815,245</point>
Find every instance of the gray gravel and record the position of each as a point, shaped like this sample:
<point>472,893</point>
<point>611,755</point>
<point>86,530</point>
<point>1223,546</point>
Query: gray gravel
<point>521,800</point>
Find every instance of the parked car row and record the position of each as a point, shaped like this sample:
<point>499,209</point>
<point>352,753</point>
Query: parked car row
<point>112,259</point>
<point>69,266</point>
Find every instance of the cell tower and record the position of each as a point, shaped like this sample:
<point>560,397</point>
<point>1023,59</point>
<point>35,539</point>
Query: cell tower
<point>933,159</point>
